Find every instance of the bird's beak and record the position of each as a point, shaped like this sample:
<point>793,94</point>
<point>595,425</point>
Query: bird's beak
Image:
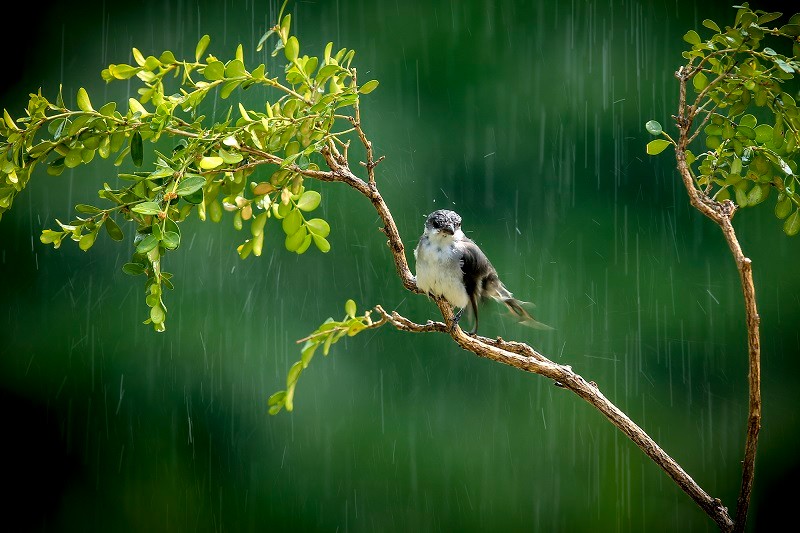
<point>448,229</point>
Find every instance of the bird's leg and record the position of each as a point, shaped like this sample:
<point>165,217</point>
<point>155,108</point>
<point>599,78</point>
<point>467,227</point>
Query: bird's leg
<point>456,318</point>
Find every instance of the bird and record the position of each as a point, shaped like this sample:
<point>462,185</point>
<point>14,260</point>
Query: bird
<point>450,265</point>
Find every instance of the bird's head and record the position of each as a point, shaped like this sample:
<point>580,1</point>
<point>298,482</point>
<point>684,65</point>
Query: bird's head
<point>443,224</point>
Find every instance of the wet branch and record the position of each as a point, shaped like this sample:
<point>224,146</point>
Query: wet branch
<point>722,214</point>
<point>516,354</point>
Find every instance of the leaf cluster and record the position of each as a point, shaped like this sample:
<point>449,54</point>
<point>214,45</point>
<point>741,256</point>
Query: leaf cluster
<point>251,163</point>
<point>744,114</point>
<point>324,336</point>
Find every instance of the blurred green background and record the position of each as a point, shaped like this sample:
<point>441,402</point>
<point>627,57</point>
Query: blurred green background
<point>525,117</point>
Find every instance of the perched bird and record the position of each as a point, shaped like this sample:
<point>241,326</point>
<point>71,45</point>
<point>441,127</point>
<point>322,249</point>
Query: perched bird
<point>451,265</point>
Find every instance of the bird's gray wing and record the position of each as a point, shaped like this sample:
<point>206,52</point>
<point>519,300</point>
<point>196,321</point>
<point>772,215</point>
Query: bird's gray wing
<point>475,266</point>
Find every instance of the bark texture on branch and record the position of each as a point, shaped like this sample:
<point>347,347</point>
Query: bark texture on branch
<point>515,354</point>
<point>722,214</point>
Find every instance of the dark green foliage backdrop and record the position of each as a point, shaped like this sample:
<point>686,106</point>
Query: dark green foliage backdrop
<point>526,118</point>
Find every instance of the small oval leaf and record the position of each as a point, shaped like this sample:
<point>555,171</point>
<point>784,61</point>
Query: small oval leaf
<point>653,127</point>
<point>309,201</point>
<point>292,48</point>
<point>791,225</point>
<point>190,185</point>
<point>657,146</point>
<point>83,100</point>
<point>113,229</point>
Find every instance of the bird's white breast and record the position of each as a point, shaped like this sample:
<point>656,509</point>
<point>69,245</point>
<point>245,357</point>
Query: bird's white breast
<point>439,269</point>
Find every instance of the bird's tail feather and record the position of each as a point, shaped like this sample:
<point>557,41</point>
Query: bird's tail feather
<point>516,307</point>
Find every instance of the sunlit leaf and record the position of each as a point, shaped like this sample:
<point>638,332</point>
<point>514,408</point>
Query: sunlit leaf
<point>190,185</point>
<point>657,146</point>
<point>147,208</point>
<point>292,48</point>
<point>319,227</point>
<point>309,201</point>
<point>210,162</point>
<point>368,87</point>
<point>350,308</point>
<point>692,37</point>
<point>201,47</point>
<point>83,100</point>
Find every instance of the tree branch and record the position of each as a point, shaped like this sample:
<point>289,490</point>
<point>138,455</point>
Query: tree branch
<point>515,354</point>
<point>722,214</point>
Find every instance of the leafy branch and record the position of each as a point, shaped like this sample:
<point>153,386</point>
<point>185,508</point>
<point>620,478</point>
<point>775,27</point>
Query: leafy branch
<point>738,82</point>
<point>205,169</point>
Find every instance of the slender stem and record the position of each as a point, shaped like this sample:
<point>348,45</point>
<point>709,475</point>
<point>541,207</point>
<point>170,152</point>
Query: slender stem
<point>722,214</point>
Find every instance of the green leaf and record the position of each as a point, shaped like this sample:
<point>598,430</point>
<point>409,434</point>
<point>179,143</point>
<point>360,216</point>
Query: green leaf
<point>73,158</point>
<point>230,158</point>
<point>294,373</point>
<point>769,17</point>
<point>190,185</point>
<point>736,165</point>
<point>137,150</point>
<point>295,240</point>
<point>136,107</point>
<point>700,81</point>
<point>350,308</point>
<point>83,100</point>
<point>210,162</point>
<point>49,236</point>
<point>263,39</point>
<point>292,222</point>
<point>133,269</point>
<point>741,197</point>
<point>234,69</point>
<point>653,127</point>
<point>147,208</point>
<point>292,48</point>
<point>657,146</point>
<point>228,87</point>
<point>368,87</point>
<point>304,245</point>
<point>757,194</point>
<point>214,71</point>
<point>277,398</point>
<point>792,30</point>
<point>88,209</point>
<point>791,226</point>
<point>711,25</point>
<point>113,229</point>
<point>322,243</point>
<point>783,207</point>
<point>244,249</point>
<point>123,72</point>
<point>171,240</point>
<point>147,244</point>
<point>318,227</point>
<point>763,133</point>
<point>87,241</point>
<point>309,201</point>
<point>157,314</point>
<point>201,47</point>
<point>692,37</point>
